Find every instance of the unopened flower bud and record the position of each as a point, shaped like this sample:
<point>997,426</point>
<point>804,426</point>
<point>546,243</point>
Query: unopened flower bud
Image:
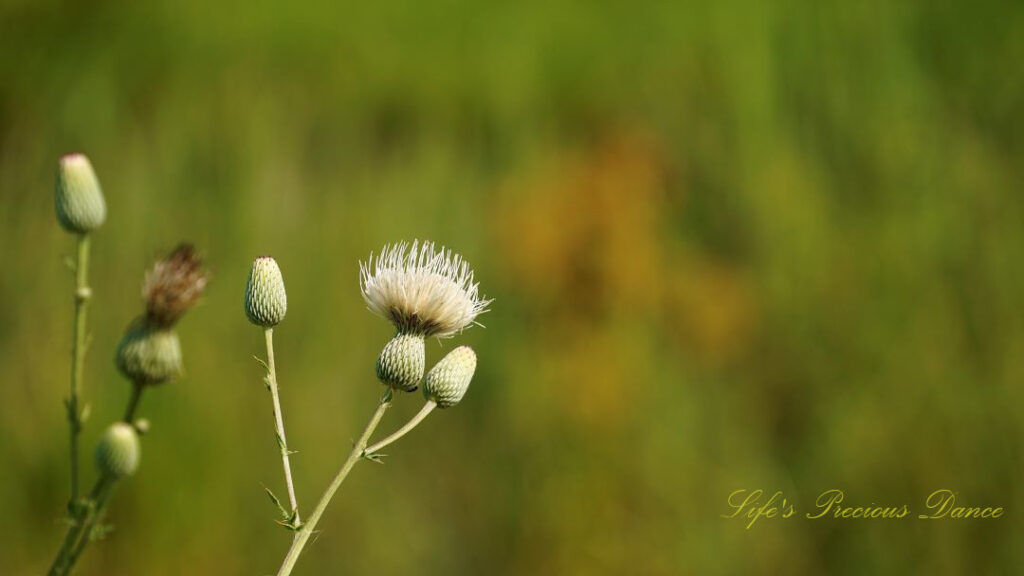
<point>149,355</point>
<point>142,426</point>
<point>265,300</point>
<point>79,200</point>
<point>402,362</point>
<point>118,452</point>
<point>449,379</point>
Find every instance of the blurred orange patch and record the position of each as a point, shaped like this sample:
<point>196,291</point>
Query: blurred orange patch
<point>586,228</point>
<point>583,236</point>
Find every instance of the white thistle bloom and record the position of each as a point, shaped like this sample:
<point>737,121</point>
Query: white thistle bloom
<point>421,290</point>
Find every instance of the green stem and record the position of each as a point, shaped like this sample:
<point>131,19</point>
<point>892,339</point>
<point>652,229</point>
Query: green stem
<point>427,409</point>
<point>133,402</point>
<point>80,525</point>
<point>307,529</point>
<point>89,510</point>
<point>282,442</point>
<point>99,509</point>
<point>82,295</point>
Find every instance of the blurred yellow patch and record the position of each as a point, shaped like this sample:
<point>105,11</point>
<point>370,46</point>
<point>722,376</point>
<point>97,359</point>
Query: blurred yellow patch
<point>585,227</point>
<point>713,310</point>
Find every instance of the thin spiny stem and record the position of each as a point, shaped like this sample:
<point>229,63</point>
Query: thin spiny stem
<point>279,423</point>
<point>307,529</point>
<point>82,296</point>
<point>427,409</point>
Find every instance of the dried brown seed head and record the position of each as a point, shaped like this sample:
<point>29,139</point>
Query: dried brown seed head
<point>173,286</point>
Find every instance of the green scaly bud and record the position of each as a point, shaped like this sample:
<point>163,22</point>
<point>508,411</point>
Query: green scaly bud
<point>449,379</point>
<point>78,199</point>
<point>118,452</point>
<point>402,362</point>
<point>149,355</point>
<point>265,300</point>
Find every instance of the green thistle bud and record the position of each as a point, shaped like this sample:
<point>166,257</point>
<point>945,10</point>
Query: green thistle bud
<point>79,200</point>
<point>448,380</point>
<point>118,452</point>
<point>402,362</point>
<point>149,355</point>
<point>265,300</point>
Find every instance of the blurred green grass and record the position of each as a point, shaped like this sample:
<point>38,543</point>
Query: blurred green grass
<point>738,245</point>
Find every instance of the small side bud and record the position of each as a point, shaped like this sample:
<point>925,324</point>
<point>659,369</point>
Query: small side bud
<point>402,362</point>
<point>148,355</point>
<point>141,426</point>
<point>265,300</point>
<point>449,379</point>
<point>118,452</point>
<point>79,199</point>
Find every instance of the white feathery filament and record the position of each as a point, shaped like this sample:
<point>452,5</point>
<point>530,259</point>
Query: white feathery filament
<point>421,290</point>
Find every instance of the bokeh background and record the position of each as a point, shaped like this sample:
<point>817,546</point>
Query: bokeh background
<point>732,245</point>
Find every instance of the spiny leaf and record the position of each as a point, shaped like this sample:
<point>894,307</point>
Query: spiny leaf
<point>290,526</point>
<point>374,457</point>
<point>273,498</point>
<point>262,363</point>
<point>291,521</point>
<point>100,531</point>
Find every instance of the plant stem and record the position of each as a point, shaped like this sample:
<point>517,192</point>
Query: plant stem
<point>99,509</point>
<point>133,402</point>
<point>307,529</point>
<point>282,442</point>
<point>82,295</point>
<point>81,523</point>
<point>427,409</point>
<point>91,509</point>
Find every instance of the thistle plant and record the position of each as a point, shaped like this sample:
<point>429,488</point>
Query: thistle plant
<point>81,209</point>
<point>266,304</point>
<point>149,354</point>
<point>423,292</point>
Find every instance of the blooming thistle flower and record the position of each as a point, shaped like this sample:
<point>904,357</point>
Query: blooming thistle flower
<point>424,292</point>
<point>421,290</point>
<point>149,352</point>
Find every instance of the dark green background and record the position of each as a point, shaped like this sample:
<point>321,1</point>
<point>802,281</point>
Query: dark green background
<point>738,245</point>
